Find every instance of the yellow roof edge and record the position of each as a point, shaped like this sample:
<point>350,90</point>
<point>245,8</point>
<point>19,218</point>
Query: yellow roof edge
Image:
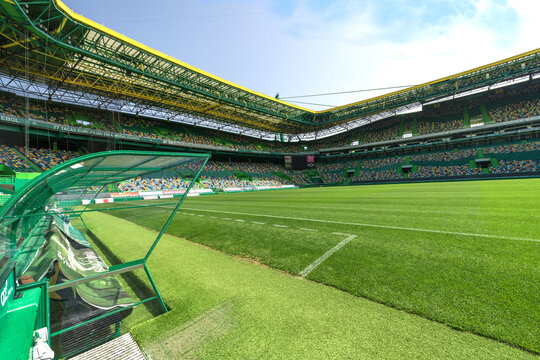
<point>90,23</point>
<point>81,19</point>
<point>438,80</point>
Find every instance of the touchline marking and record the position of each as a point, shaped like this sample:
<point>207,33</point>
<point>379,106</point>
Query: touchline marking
<point>365,225</point>
<point>327,254</point>
<point>280,226</point>
<point>258,223</point>
<point>239,220</point>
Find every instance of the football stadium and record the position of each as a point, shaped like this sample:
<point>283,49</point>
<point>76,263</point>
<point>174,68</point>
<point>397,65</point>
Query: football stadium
<point>152,210</point>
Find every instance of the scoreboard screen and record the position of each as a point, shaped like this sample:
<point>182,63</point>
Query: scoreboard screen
<point>288,162</point>
<point>299,162</point>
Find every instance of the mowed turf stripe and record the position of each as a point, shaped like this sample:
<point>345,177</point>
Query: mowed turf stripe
<point>326,255</point>
<point>490,236</point>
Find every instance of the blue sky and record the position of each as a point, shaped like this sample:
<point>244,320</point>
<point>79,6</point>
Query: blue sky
<point>303,47</point>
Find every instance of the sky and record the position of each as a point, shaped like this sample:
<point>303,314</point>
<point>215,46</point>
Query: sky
<point>302,47</point>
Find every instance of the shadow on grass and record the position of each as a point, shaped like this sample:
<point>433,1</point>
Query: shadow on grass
<point>136,284</point>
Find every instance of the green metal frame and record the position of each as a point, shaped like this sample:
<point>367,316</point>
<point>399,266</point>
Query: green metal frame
<point>43,317</point>
<point>67,50</point>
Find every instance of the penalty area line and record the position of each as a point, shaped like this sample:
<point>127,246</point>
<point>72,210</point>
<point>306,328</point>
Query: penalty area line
<point>489,236</point>
<point>326,255</point>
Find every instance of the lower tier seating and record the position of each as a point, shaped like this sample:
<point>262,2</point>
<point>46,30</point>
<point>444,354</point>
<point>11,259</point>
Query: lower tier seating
<point>511,158</point>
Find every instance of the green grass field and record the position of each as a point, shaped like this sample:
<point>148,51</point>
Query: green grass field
<point>464,254</point>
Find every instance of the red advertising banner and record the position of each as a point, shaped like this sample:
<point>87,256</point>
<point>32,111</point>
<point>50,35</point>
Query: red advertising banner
<point>125,194</point>
<point>173,192</point>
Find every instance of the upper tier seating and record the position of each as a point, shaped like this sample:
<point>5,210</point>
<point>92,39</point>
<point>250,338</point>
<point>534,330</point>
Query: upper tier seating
<point>519,110</point>
<point>506,104</point>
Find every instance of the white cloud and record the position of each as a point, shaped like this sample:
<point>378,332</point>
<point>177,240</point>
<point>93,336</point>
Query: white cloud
<point>465,41</point>
<point>529,27</point>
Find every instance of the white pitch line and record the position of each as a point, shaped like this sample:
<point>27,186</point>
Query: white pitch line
<point>212,217</point>
<point>227,219</point>
<point>489,236</point>
<point>326,255</point>
<point>201,215</point>
<point>239,220</point>
<point>280,226</point>
<point>257,223</point>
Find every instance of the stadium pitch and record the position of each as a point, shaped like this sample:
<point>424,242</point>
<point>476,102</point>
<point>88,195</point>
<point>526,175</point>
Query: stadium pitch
<point>462,254</point>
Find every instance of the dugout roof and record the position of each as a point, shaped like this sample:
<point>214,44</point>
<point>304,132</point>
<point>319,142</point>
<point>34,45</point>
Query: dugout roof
<point>46,42</point>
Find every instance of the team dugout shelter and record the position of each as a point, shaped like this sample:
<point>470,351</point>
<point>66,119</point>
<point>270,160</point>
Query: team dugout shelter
<point>61,291</point>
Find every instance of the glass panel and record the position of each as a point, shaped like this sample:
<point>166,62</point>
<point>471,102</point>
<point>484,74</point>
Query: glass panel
<point>57,202</point>
<point>86,315</point>
<point>5,253</point>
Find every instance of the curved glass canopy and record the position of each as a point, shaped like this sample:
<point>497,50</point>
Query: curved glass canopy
<point>66,185</point>
<point>44,239</point>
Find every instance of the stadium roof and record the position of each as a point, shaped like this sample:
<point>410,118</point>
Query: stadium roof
<point>44,42</point>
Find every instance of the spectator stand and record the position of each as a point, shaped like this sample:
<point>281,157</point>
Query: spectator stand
<point>379,170</point>
<point>13,159</point>
<point>443,164</point>
<point>45,159</point>
<point>511,158</point>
